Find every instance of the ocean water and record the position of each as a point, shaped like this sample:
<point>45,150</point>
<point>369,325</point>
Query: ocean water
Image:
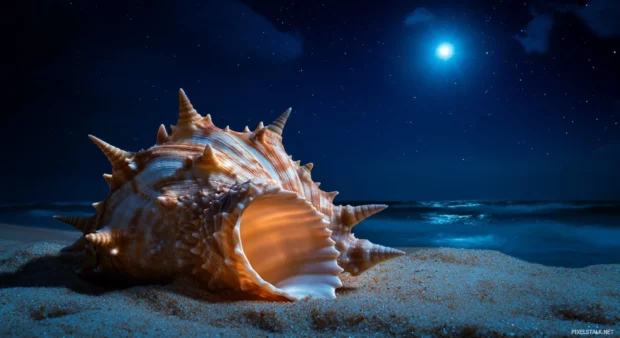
<point>568,234</point>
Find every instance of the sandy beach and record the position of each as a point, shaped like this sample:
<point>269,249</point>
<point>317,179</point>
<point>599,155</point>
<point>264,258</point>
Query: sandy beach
<point>428,292</point>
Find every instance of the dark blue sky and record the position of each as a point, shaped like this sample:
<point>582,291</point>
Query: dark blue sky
<point>527,108</point>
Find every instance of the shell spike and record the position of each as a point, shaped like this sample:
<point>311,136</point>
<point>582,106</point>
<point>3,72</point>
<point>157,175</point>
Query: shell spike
<point>84,224</point>
<point>260,131</point>
<point>100,238</point>
<point>350,216</point>
<point>331,195</point>
<point>207,119</point>
<point>259,126</point>
<point>277,126</point>
<point>308,166</point>
<point>380,253</point>
<point>209,157</point>
<point>187,113</point>
<point>246,129</point>
<point>365,255</point>
<point>115,155</point>
<point>109,179</point>
<point>162,135</point>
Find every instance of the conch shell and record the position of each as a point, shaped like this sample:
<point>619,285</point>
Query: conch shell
<point>229,208</point>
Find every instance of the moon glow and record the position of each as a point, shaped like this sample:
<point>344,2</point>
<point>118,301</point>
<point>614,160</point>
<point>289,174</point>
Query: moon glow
<point>445,51</point>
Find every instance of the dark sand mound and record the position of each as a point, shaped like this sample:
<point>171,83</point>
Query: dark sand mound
<point>429,292</point>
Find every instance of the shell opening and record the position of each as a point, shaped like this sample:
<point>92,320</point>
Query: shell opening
<point>288,245</point>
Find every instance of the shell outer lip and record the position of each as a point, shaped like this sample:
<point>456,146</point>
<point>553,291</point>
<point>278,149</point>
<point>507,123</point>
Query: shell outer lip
<point>238,200</point>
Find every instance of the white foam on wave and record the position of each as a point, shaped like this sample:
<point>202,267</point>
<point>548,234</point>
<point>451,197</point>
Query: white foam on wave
<point>434,218</point>
<point>465,205</point>
<point>432,204</point>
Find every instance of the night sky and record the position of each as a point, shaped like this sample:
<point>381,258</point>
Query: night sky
<point>526,108</point>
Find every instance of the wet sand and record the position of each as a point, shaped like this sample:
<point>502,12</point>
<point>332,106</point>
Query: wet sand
<point>428,292</point>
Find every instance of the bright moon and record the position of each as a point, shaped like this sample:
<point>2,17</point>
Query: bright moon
<point>445,51</point>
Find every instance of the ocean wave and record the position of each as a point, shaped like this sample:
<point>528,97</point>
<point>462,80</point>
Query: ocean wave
<point>605,213</point>
<point>523,208</point>
<point>448,204</point>
<point>506,203</point>
<point>432,204</point>
<point>436,218</point>
<point>486,241</point>
<point>465,205</point>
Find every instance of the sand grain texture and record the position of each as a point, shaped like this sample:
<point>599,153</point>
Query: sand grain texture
<point>429,292</point>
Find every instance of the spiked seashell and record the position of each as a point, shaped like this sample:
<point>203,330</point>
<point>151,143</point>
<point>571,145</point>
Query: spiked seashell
<point>230,209</point>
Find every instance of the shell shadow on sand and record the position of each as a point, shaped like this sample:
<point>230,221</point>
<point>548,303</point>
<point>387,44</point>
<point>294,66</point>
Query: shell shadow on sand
<point>36,265</point>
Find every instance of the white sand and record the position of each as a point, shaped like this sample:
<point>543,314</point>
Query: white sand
<point>429,292</point>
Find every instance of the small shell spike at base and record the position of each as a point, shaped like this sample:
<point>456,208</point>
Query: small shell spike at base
<point>229,209</point>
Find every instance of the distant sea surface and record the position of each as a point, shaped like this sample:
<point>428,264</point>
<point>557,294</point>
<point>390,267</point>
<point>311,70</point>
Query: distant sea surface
<point>568,234</point>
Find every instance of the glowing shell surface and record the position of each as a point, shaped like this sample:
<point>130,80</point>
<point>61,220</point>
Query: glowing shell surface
<point>230,209</point>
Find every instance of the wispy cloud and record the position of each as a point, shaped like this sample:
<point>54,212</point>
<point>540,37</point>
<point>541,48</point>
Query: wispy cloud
<point>418,16</point>
<point>235,29</point>
<point>535,37</point>
<point>601,16</point>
